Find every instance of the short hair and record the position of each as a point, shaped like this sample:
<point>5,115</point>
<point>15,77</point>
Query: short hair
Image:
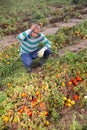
<point>35,26</point>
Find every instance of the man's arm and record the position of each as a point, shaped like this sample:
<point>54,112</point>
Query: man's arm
<point>23,35</point>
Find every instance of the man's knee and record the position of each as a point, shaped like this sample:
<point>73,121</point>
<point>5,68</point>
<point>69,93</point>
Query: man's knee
<point>47,52</point>
<point>27,60</point>
<point>28,63</point>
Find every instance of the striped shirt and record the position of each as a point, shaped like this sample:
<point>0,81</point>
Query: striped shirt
<point>29,44</point>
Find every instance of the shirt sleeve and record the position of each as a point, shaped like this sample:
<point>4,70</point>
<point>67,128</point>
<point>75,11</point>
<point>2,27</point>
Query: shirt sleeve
<point>22,36</point>
<point>46,42</point>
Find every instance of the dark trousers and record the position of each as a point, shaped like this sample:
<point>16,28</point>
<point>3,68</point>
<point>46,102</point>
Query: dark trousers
<point>27,58</point>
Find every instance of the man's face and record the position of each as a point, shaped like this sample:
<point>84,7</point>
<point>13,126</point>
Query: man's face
<point>35,33</point>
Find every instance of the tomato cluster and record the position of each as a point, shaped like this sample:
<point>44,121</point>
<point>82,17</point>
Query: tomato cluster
<point>72,83</point>
<point>34,103</point>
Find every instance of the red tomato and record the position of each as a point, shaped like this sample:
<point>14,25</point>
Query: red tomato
<point>76,97</point>
<point>29,113</point>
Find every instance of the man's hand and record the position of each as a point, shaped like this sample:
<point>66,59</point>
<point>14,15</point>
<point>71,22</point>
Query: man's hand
<point>41,52</point>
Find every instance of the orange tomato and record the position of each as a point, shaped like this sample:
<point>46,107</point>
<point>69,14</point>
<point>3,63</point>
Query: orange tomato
<point>66,104</point>
<point>86,75</point>
<point>29,113</point>
<point>25,107</point>
<point>21,110</point>
<point>75,82</point>
<point>76,97</point>
<point>46,113</point>
<point>42,105</point>
<point>37,93</point>
<point>19,114</point>
<point>23,94</point>
<point>70,83</point>
<point>33,104</point>
<point>8,84</point>
<point>34,99</point>
<point>78,78</point>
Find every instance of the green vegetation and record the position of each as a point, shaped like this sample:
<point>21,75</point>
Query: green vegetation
<point>45,89</point>
<point>17,16</point>
<point>37,101</point>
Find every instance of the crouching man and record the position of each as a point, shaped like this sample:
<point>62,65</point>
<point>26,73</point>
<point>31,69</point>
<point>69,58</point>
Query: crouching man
<point>29,47</point>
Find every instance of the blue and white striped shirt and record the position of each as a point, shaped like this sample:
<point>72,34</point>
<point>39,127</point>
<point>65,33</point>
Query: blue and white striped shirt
<point>29,44</point>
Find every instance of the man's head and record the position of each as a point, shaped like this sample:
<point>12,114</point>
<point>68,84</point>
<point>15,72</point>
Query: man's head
<point>35,29</point>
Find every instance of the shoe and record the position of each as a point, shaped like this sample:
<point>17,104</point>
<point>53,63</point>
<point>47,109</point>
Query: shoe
<point>28,70</point>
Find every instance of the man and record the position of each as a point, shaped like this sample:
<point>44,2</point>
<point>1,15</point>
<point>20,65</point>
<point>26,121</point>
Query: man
<point>29,48</point>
